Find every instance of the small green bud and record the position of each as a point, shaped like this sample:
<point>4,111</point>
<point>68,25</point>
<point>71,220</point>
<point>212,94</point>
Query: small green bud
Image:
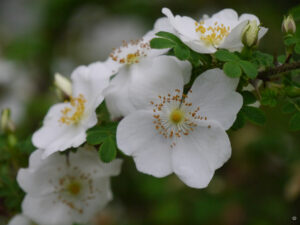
<point>63,84</point>
<point>6,123</point>
<point>288,25</point>
<point>250,34</point>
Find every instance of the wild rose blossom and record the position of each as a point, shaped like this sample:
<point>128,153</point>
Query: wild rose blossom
<point>66,123</point>
<point>222,30</point>
<point>61,190</point>
<point>177,132</point>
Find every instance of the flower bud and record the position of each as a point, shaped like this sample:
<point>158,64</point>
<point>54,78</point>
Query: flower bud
<point>63,84</point>
<point>250,34</point>
<point>288,25</point>
<point>6,122</point>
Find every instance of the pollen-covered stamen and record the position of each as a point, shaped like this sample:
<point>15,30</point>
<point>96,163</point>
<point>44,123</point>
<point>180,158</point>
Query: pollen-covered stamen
<point>212,35</point>
<point>174,116</point>
<point>73,114</point>
<point>130,53</point>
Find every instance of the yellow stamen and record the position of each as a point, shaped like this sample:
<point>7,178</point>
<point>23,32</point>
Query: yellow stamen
<point>212,35</point>
<point>79,105</point>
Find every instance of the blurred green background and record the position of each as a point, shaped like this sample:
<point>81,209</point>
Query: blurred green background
<point>259,185</point>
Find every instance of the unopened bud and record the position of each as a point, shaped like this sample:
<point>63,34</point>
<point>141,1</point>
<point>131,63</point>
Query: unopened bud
<point>250,34</point>
<point>288,25</point>
<point>6,123</point>
<point>63,84</point>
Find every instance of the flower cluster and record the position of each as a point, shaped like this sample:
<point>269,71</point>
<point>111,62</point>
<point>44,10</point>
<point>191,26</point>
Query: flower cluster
<point>172,118</point>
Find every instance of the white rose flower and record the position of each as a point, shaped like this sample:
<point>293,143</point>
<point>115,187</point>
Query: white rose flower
<point>66,123</point>
<point>179,133</point>
<point>63,190</point>
<point>20,220</point>
<point>128,58</point>
<point>16,88</point>
<point>222,30</point>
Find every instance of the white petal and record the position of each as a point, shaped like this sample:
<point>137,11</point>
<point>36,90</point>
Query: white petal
<point>215,93</point>
<point>262,31</point>
<point>225,15</point>
<point>46,210</point>
<point>228,17</point>
<point>233,42</point>
<point>116,94</point>
<point>186,68</point>
<point>91,81</point>
<point>159,76</point>
<point>136,136</point>
<point>249,17</point>
<point>20,220</point>
<point>196,156</point>
<point>198,45</point>
<point>182,24</point>
<point>163,24</point>
<point>87,157</point>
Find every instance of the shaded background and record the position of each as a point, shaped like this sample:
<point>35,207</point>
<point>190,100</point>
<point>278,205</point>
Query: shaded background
<point>259,185</point>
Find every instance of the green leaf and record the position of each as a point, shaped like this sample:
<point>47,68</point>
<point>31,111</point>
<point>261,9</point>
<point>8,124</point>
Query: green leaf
<point>161,43</point>
<point>249,69</point>
<point>196,57</point>
<point>232,69</point>
<point>108,150</point>
<point>291,41</point>
<point>295,122</point>
<point>288,107</point>
<point>297,48</point>
<point>181,53</point>
<point>263,59</point>
<point>239,122</point>
<point>254,115</point>
<point>249,97</point>
<point>296,13</point>
<point>96,137</point>
<point>169,36</point>
<point>281,58</point>
<point>226,56</point>
<point>269,97</point>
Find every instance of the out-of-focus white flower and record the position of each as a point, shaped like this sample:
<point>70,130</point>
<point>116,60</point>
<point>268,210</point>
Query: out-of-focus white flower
<point>16,88</point>
<point>101,37</point>
<point>179,133</point>
<point>24,19</point>
<point>20,220</point>
<point>130,58</point>
<point>221,30</point>
<point>66,123</point>
<point>63,190</point>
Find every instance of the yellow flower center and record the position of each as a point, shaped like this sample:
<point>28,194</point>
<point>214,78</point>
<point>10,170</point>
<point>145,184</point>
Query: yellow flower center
<point>74,188</point>
<point>212,35</point>
<point>73,114</point>
<point>177,116</point>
